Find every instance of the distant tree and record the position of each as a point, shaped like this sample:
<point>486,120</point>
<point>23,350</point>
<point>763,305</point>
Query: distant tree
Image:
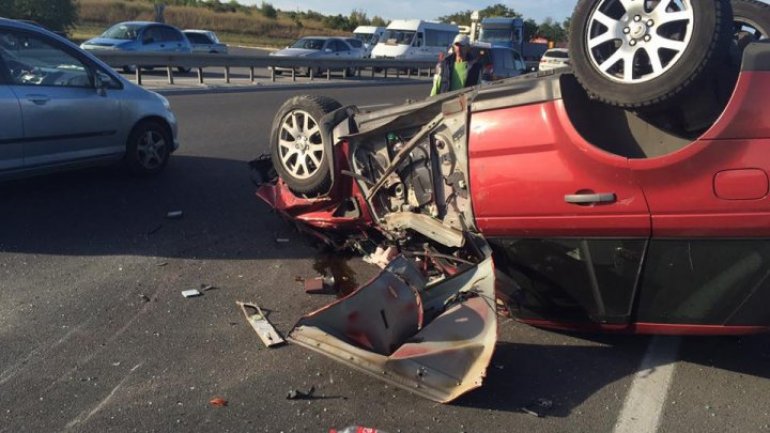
<point>552,30</point>
<point>378,21</point>
<point>53,14</point>
<point>463,18</point>
<point>268,10</point>
<point>358,18</point>
<point>566,23</point>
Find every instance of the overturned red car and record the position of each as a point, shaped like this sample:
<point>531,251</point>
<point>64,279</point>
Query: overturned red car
<point>577,206</point>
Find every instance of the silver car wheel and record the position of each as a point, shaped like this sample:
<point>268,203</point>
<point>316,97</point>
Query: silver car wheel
<point>151,150</point>
<point>633,41</point>
<point>300,144</point>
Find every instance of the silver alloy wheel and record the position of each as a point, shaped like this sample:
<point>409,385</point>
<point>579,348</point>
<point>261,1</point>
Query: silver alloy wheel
<point>151,150</point>
<point>300,145</point>
<point>633,41</point>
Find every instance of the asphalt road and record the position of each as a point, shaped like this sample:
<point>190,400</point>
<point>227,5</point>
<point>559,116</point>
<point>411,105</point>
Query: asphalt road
<point>95,335</point>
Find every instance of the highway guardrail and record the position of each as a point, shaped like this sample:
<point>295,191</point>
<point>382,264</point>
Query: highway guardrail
<point>199,61</point>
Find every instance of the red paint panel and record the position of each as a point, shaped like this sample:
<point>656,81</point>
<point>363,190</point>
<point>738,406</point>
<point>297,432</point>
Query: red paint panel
<point>744,184</point>
<point>746,114</point>
<point>679,189</point>
<point>523,162</point>
<point>648,328</point>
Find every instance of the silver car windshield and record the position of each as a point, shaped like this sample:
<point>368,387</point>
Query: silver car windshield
<point>122,31</point>
<point>309,44</point>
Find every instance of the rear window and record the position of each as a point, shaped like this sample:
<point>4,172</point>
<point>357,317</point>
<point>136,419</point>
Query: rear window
<point>557,54</point>
<point>309,44</point>
<point>198,38</point>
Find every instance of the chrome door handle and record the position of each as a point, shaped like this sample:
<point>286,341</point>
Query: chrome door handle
<point>602,197</point>
<point>38,99</point>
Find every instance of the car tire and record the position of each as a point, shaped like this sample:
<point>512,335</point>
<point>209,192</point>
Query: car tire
<point>148,148</point>
<point>752,19</point>
<point>298,144</point>
<point>602,42</point>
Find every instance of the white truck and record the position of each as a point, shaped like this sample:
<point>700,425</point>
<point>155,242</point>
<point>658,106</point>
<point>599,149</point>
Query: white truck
<point>415,40</point>
<point>369,36</point>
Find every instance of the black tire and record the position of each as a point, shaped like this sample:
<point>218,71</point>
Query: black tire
<point>183,70</point>
<point>751,18</point>
<point>305,170</point>
<point>143,156</point>
<point>681,69</point>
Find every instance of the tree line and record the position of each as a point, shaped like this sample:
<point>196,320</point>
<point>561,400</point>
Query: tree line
<point>62,14</point>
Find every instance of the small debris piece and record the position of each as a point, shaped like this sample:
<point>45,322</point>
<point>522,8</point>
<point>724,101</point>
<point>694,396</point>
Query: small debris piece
<point>161,264</point>
<point>295,394</point>
<point>381,257</point>
<point>531,412</point>
<point>155,229</point>
<point>191,293</point>
<point>174,214</point>
<point>207,287</point>
<point>316,286</point>
<point>299,279</point>
<point>218,402</point>
<point>282,240</point>
<point>261,325</point>
<point>538,408</point>
<point>145,298</point>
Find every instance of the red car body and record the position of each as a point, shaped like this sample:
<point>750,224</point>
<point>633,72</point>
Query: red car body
<point>600,223</point>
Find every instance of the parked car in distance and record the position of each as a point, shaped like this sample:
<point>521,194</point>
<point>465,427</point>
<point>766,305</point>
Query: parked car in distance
<point>554,58</point>
<point>415,40</point>
<point>141,36</point>
<point>205,41</point>
<point>317,47</point>
<point>499,63</point>
<point>62,108</point>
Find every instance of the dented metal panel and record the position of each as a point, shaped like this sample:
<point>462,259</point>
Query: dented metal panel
<point>435,341</point>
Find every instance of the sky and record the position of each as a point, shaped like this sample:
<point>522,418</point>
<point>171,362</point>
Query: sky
<point>425,9</point>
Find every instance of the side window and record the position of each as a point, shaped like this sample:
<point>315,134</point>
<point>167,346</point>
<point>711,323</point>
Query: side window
<point>342,46</point>
<point>151,35</point>
<point>32,61</point>
<point>374,40</point>
<point>419,40</point>
<point>171,35</point>
<point>518,62</point>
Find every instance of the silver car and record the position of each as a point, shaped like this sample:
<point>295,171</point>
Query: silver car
<point>205,41</point>
<point>62,108</point>
<point>318,47</point>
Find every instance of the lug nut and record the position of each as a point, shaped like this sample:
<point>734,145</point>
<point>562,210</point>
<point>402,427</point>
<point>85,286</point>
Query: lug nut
<point>650,23</point>
<point>637,18</point>
<point>627,30</point>
<point>632,42</point>
<point>647,38</point>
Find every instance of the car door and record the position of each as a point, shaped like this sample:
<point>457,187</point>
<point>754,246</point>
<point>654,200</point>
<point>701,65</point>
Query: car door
<point>65,118</point>
<point>567,221</point>
<point>173,40</point>
<point>153,39</point>
<point>12,132</point>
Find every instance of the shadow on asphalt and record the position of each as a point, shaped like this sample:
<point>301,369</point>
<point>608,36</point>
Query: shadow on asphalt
<point>521,374</point>
<point>105,211</point>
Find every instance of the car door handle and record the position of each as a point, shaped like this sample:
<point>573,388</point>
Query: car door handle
<point>38,99</point>
<point>590,198</point>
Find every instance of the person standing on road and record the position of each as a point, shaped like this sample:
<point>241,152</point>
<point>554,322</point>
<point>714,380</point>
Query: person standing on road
<point>457,70</point>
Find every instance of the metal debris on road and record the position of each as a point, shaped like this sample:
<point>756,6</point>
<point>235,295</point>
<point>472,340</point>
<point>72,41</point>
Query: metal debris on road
<point>320,286</point>
<point>282,240</point>
<point>154,230</point>
<point>218,402</point>
<point>538,408</point>
<point>261,325</point>
<point>161,264</point>
<point>207,287</point>
<point>295,394</point>
<point>145,298</point>
<point>174,214</point>
<point>191,293</point>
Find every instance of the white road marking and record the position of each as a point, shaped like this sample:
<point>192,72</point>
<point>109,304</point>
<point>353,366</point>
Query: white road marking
<point>645,400</point>
<point>83,417</point>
